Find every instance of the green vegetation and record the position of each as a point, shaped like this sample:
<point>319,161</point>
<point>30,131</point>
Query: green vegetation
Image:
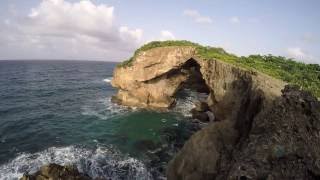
<point>305,75</point>
<point>155,44</point>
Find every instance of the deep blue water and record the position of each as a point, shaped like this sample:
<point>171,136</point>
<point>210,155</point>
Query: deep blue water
<point>61,111</point>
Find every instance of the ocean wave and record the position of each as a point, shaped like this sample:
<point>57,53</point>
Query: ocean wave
<point>108,80</point>
<point>101,162</point>
<point>104,109</point>
<point>185,101</point>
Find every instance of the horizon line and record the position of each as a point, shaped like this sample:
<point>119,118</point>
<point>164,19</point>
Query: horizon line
<point>90,60</point>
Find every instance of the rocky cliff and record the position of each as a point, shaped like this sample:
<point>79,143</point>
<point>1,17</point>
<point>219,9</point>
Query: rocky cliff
<point>156,76</point>
<point>281,142</point>
<point>259,131</point>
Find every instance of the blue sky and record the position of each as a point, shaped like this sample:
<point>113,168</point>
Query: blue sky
<point>289,27</point>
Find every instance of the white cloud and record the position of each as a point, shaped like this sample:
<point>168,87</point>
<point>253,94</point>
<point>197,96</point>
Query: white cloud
<point>197,17</point>
<point>62,29</point>
<point>235,20</point>
<point>167,35</point>
<point>300,55</point>
<point>296,52</point>
<point>310,38</point>
<point>163,36</point>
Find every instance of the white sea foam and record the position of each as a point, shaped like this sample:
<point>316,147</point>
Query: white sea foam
<point>186,101</point>
<point>108,80</point>
<point>104,109</point>
<point>101,162</point>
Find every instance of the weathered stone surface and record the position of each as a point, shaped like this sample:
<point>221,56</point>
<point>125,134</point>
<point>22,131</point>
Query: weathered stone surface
<point>56,172</point>
<point>281,142</point>
<point>154,77</point>
<point>200,156</point>
<point>201,106</point>
<point>258,131</point>
<point>157,74</point>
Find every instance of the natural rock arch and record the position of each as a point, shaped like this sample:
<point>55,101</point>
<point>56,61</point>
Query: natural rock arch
<point>249,107</point>
<point>157,74</point>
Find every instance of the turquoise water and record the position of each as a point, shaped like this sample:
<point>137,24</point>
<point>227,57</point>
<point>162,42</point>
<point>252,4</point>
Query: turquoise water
<point>61,111</point>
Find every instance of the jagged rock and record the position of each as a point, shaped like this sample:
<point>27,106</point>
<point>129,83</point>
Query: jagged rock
<point>259,131</point>
<point>201,116</point>
<point>211,116</point>
<point>200,156</point>
<point>56,172</point>
<point>156,76</point>
<point>280,142</point>
<point>201,106</point>
<point>283,142</point>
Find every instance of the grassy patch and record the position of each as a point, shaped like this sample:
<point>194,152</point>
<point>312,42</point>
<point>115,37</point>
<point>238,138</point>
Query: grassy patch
<point>155,44</point>
<point>305,75</point>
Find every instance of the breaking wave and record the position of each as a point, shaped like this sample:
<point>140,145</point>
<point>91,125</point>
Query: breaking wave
<point>104,109</point>
<point>108,80</point>
<point>186,99</point>
<point>102,162</point>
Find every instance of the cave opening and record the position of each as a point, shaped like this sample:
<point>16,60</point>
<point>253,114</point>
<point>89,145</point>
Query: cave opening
<point>192,95</point>
<point>195,81</point>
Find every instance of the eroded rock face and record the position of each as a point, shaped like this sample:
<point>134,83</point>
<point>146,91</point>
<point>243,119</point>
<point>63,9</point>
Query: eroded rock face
<point>153,78</point>
<point>55,172</point>
<point>282,142</point>
<point>157,74</point>
<point>259,132</point>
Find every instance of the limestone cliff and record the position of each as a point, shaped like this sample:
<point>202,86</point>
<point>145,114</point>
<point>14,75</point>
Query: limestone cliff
<point>281,142</point>
<point>154,77</point>
<point>157,74</point>
<point>241,101</point>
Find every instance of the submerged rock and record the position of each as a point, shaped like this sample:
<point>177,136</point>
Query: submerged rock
<point>201,116</point>
<point>56,172</point>
<point>201,106</point>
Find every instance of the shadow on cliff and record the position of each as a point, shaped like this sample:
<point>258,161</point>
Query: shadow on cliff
<point>258,140</point>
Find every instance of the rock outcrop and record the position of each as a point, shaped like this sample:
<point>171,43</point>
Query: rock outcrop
<point>55,172</point>
<point>260,131</point>
<point>281,142</point>
<point>153,78</point>
<point>157,74</point>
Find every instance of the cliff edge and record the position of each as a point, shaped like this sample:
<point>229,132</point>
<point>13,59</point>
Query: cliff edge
<point>260,129</point>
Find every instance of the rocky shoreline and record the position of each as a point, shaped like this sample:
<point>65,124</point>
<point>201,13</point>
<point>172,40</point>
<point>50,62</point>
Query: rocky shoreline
<point>248,126</point>
<point>258,128</point>
<point>55,171</point>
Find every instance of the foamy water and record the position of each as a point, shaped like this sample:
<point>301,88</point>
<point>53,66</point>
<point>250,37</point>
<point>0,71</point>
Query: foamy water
<point>108,80</point>
<point>49,107</point>
<point>101,162</point>
<point>105,110</point>
<point>185,101</point>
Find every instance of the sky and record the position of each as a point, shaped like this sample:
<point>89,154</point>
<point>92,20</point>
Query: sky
<point>110,30</point>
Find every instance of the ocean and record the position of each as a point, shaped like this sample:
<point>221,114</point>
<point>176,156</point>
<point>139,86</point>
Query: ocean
<point>61,112</point>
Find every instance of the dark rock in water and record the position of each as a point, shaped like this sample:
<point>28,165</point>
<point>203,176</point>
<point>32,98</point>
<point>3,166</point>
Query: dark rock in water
<point>201,106</point>
<point>201,116</point>
<point>279,141</point>
<point>145,145</point>
<point>211,116</point>
<point>56,172</point>
<point>115,100</point>
<point>202,112</point>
